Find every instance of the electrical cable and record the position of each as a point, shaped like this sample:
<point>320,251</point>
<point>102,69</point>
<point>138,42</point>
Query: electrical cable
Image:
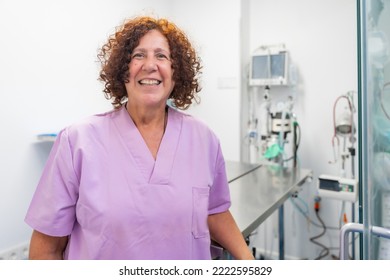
<point>325,250</point>
<point>305,213</point>
<point>299,134</point>
<point>296,144</point>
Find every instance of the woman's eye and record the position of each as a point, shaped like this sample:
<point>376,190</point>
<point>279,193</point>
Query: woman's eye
<point>138,55</point>
<point>161,56</point>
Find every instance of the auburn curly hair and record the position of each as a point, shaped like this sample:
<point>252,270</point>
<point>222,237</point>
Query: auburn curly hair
<point>115,57</point>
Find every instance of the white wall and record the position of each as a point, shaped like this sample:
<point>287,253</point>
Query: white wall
<point>48,79</point>
<point>213,26</point>
<point>321,38</point>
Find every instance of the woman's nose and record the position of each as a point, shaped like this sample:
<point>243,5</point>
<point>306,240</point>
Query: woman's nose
<point>150,64</point>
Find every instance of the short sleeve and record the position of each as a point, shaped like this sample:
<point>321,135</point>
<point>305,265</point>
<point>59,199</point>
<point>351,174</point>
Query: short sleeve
<point>219,200</point>
<point>52,209</point>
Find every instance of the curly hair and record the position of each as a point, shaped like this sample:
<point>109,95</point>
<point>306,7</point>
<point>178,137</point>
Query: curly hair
<point>115,57</point>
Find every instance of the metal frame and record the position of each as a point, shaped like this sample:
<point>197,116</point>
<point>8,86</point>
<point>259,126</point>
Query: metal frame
<point>356,227</point>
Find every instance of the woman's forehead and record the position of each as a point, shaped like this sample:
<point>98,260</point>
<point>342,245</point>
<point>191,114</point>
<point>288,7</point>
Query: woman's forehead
<point>153,39</point>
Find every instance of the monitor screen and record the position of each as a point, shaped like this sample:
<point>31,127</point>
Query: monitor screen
<point>269,69</point>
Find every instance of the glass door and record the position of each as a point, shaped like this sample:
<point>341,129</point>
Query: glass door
<point>374,125</point>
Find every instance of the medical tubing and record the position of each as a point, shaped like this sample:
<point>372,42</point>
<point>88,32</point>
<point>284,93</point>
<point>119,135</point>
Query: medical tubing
<point>281,135</point>
<point>334,110</point>
<point>296,144</point>
<point>335,137</point>
<point>296,141</point>
<point>265,113</point>
<point>325,250</point>
<point>305,214</point>
<point>282,131</point>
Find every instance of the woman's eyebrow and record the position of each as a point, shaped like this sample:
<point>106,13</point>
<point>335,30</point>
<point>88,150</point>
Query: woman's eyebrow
<point>155,50</point>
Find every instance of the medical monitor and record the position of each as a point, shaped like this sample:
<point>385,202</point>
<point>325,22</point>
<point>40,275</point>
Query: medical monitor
<point>269,66</point>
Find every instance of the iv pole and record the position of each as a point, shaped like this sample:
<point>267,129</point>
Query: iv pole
<point>343,128</point>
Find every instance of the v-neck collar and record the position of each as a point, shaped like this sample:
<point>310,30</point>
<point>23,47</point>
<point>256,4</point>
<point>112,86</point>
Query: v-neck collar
<point>154,171</point>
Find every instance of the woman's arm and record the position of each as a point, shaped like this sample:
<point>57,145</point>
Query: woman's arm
<point>46,247</point>
<point>224,230</point>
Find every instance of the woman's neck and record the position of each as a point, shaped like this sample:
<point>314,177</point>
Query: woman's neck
<point>152,118</point>
<point>151,126</point>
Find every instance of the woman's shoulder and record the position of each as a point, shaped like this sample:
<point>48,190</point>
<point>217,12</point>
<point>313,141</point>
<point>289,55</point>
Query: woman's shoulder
<point>93,122</point>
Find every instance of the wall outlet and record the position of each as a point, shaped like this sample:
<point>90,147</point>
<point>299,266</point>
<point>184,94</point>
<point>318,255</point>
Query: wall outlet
<point>19,252</point>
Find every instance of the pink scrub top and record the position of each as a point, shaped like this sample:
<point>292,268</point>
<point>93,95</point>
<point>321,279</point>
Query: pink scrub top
<point>102,187</point>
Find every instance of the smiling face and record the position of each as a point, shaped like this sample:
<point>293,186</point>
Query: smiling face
<point>150,80</point>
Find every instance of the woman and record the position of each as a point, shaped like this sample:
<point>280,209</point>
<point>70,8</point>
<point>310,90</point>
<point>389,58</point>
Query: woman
<point>143,181</point>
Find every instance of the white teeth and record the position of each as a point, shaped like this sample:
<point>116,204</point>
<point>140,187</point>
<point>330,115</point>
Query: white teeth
<point>149,82</point>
